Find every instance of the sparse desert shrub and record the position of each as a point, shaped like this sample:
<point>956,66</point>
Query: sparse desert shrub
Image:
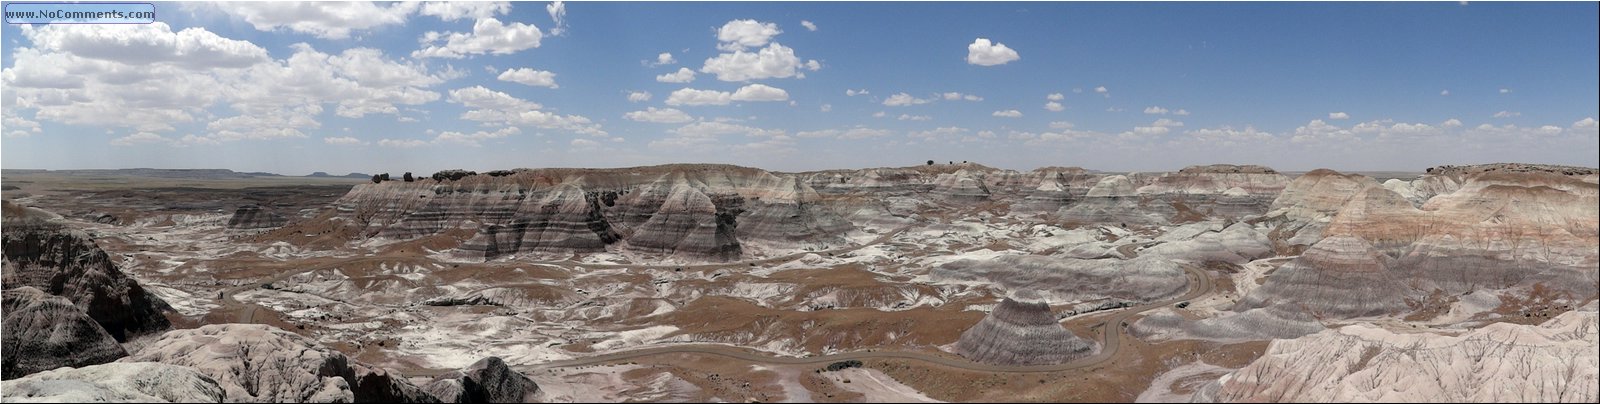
<point>842,365</point>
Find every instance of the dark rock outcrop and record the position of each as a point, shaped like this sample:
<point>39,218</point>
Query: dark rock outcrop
<point>487,381</point>
<point>842,365</point>
<point>67,263</point>
<point>44,332</point>
<point>254,217</point>
<point>1459,171</point>
<point>1022,334</point>
<point>377,385</point>
<point>106,218</point>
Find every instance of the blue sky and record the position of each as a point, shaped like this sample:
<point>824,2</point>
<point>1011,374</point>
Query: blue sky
<point>340,87</point>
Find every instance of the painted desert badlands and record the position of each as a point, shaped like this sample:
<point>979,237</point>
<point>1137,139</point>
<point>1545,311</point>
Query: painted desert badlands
<point>940,282</point>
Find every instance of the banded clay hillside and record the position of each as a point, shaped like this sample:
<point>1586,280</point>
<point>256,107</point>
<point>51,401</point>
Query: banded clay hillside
<point>720,282</point>
<point>693,211</point>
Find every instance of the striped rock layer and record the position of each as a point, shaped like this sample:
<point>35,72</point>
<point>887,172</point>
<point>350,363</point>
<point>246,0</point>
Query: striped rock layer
<point>1021,334</point>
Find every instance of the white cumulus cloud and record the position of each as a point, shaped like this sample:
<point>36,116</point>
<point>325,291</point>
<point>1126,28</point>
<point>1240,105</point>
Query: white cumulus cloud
<point>847,134</point>
<point>456,10</point>
<point>945,132</point>
<point>1164,122</point>
<point>343,141</point>
<point>740,34</point>
<point>809,26</point>
<point>558,15</point>
<point>328,20</point>
<point>713,128</point>
<point>489,106</point>
<point>753,92</point>
<point>683,75</point>
<point>536,78</point>
<point>1010,113</point>
<point>149,78</point>
<point>691,96</point>
<point>903,99</point>
<point>952,96</point>
<point>139,138</point>
<point>1228,135</point>
<point>665,58</point>
<point>982,52</point>
<point>488,36</point>
<point>760,92</point>
<point>473,139</point>
<point>773,61</point>
<point>402,143</point>
<point>17,126</point>
<point>1150,130</point>
<point>663,115</point>
<point>1338,115</point>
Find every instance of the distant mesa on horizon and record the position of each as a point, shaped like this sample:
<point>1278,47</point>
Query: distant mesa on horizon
<point>324,174</point>
<point>178,173</point>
